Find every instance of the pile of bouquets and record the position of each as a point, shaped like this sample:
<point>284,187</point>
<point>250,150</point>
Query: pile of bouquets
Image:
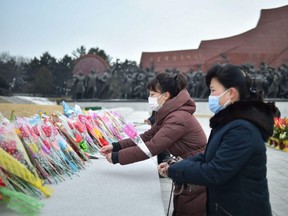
<point>40,150</point>
<point>20,182</point>
<point>279,139</point>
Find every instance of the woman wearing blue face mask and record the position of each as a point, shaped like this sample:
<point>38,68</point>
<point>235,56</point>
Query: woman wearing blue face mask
<point>214,102</point>
<point>233,167</point>
<point>175,130</point>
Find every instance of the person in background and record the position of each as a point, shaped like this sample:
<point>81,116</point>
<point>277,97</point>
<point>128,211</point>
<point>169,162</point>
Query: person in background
<point>176,130</point>
<point>233,167</point>
<point>165,155</point>
<point>151,119</point>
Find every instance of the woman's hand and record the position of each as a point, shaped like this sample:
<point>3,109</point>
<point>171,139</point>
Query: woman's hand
<point>105,150</point>
<point>109,157</point>
<point>146,121</point>
<point>163,169</point>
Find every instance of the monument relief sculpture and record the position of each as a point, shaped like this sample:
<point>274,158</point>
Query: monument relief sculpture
<point>90,85</point>
<point>78,86</point>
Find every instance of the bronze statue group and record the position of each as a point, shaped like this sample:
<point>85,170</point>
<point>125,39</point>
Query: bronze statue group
<point>128,81</point>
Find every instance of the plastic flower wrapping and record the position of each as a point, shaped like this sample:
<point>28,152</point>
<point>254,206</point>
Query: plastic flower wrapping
<point>279,139</point>
<point>42,150</point>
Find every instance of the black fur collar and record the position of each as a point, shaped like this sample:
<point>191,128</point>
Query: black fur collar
<point>259,113</point>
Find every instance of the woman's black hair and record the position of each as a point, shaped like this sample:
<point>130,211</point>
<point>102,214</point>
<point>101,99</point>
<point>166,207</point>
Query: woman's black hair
<point>230,75</point>
<point>165,82</point>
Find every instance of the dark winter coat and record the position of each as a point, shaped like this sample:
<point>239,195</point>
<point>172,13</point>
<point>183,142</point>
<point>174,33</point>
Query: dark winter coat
<point>179,132</point>
<point>233,167</point>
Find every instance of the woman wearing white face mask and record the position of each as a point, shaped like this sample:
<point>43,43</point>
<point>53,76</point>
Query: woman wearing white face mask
<point>153,101</point>
<point>175,130</point>
<point>233,167</point>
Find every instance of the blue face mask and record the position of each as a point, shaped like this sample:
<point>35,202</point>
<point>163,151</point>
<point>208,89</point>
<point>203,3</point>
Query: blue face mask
<point>214,104</point>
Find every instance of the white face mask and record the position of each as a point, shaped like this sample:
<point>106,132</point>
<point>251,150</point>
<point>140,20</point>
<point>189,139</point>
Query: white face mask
<point>153,103</point>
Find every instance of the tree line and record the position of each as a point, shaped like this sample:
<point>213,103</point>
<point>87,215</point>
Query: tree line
<point>50,77</point>
<point>45,75</point>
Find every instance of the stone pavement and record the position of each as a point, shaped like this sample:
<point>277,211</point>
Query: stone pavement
<point>277,164</point>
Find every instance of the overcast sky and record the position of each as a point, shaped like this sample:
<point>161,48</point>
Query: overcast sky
<point>122,28</point>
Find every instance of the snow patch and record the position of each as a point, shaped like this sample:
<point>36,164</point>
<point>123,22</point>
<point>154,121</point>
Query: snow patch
<point>38,100</point>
